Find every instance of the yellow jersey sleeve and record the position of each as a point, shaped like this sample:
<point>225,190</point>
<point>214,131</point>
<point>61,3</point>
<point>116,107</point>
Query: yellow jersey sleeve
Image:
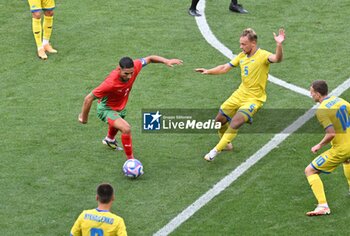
<point>236,61</point>
<point>121,229</point>
<point>323,117</point>
<point>76,229</point>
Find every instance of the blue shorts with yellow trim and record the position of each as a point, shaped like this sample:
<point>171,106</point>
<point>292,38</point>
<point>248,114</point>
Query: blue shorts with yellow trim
<point>237,102</point>
<point>38,5</point>
<point>328,161</point>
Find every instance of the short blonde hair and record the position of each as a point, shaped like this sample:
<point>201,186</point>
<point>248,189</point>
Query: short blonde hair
<point>250,33</point>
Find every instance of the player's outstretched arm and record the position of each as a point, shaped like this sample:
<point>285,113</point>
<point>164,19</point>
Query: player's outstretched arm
<point>278,56</point>
<point>329,136</point>
<point>159,59</point>
<point>83,116</point>
<point>221,69</point>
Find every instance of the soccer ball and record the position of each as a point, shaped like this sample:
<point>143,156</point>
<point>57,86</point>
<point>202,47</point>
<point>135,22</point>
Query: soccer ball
<point>133,168</point>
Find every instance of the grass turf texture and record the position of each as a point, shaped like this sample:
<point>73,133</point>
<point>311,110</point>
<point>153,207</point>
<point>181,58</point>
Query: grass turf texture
<point>51,165</point>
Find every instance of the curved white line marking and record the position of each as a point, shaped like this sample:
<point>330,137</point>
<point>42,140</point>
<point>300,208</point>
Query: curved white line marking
<point>215,43</point>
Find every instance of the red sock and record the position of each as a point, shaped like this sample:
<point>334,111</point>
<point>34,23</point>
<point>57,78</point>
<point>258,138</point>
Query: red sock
<point>127,144</point>
<point>111,132</point>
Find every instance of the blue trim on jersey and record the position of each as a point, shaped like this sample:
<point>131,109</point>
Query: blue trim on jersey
<point>48,9</point>
<point>143,61</point>
<point>36,10</point>
<point>71,235</point>
<point>223,113</point>
<point>328,126</point>
<point>326,98</point>
<point>101,210</point>
<point>231,64</point>
<point>325,172</point>
<point>249,117</point>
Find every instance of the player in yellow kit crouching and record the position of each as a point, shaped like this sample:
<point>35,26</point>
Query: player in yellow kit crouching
<point>333,114</point>
<point>240,107</point>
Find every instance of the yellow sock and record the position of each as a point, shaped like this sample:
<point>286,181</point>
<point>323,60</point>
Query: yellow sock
<point>346,168</point>
<point>317,188</point>
<point>228,136</point>
<point>36,26</point>
<point>47,25</point>
<point>223,129</point>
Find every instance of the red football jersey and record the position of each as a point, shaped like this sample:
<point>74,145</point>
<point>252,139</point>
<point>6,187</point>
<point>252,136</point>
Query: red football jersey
<point>113,92</point>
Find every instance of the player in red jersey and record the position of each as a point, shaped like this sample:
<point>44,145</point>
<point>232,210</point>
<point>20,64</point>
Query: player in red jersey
<point>113,94</point>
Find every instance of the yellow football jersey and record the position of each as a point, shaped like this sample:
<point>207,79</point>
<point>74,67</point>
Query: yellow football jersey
<point>254,73</point>
<point>334,111</point>
<point>98,223</point>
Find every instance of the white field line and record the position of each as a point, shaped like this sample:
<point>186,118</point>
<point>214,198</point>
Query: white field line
<point>252,160</point>
<point>236,173</point>
<point>215,43</point>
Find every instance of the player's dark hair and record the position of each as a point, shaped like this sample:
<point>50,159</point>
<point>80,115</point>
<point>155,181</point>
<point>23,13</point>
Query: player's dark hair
<point>105,193</point>
<point>320,86</point>
<point>126,62</point>
<point>250,33</point>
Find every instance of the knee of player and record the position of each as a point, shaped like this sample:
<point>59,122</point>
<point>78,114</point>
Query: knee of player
<point>48,13</point>
<point>237,121</point>
<point>223,121</point>
<point>221,118</point>
<point>126,129</point>
<point>309,170</point>
<point>36,15</point>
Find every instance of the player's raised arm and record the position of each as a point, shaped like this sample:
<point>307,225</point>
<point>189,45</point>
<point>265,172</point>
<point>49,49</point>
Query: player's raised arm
<point>159,59</point>
<point>278,56</point>
<point>83,116</point>
<point>221,69</point>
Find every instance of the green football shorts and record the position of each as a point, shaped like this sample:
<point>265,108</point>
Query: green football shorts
<point>108,116</point>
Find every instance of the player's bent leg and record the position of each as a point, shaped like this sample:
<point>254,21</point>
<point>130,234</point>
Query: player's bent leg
<point>225,122</point>
<point>225,141</point>
<point>125,128</point>
<point>110,140</point>
<point>122,125</point>
<point>227,110</point>
<point>230,134</point>
<point>238,120</point>
<point>317,188</point>
<point>222,118</point>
